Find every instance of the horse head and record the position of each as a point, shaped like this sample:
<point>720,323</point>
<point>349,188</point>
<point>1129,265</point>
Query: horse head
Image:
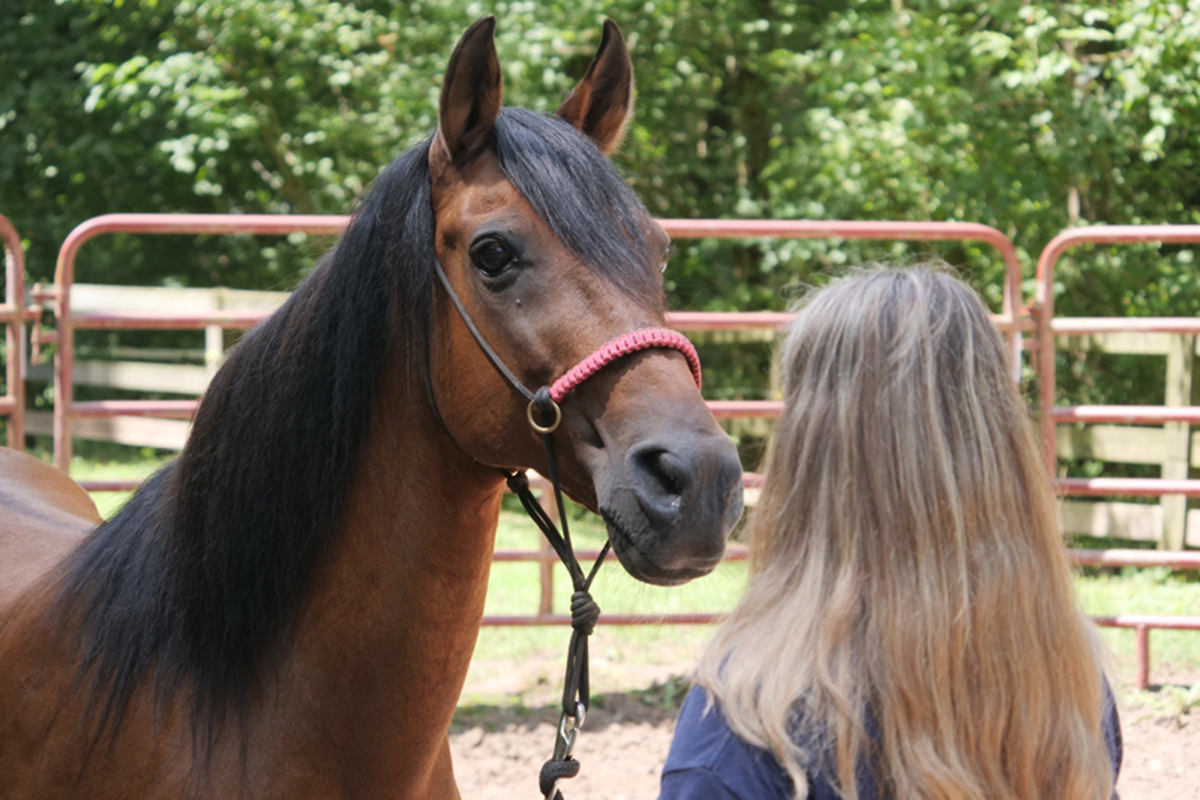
<point>552,256</point>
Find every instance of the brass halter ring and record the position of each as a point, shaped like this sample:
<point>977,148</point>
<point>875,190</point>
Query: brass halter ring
<point>544,429</point>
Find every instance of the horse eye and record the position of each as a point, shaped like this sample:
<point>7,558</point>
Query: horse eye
<point>491,257</point>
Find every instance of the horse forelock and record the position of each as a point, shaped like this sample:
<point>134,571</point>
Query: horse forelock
<point>580,193</point>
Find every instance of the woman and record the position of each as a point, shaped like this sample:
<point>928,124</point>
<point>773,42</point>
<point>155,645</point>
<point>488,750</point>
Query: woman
<point>910,628</point>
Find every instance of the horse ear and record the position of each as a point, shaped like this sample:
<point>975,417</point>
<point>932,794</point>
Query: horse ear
<point>601,103</point>
<point>472,94</point>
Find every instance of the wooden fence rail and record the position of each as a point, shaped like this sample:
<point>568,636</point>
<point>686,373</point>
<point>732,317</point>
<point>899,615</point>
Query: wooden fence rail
<point>1173,443</point>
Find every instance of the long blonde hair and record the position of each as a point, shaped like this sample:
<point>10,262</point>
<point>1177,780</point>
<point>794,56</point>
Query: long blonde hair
<point>907,565</point>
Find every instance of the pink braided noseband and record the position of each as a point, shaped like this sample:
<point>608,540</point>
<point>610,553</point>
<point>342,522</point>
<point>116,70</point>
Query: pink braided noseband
<point>623,346</point>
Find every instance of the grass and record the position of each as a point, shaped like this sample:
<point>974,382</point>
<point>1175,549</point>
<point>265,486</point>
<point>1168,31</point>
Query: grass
<point>1174,655</point>
<point>523,664</point>
<point>108,503</point>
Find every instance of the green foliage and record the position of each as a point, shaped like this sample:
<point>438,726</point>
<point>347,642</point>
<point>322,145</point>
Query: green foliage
<point>281,106</point>
<point>58,164</point>
<point>1027,116</point>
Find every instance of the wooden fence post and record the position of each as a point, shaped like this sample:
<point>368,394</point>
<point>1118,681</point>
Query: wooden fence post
<point>214,348</point>
<point>1181,391</point>
<point>214,337</point>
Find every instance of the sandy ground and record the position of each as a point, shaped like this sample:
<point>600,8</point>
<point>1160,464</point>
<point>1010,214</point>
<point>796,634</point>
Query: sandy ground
<point>498,750</point>
<point>1162,741</point>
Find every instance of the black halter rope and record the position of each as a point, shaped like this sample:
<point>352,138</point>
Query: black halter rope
<point>576,696</point>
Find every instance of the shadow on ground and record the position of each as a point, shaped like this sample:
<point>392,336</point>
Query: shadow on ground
<point>656,706</point>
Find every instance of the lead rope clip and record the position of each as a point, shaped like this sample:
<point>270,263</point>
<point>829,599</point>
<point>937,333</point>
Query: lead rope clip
<point>562,765</point>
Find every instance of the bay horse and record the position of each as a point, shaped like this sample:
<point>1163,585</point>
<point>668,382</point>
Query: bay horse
<point>289,608</point>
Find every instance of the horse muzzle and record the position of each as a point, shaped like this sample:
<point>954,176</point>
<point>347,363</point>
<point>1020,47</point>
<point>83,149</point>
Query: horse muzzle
<point>670,505</point>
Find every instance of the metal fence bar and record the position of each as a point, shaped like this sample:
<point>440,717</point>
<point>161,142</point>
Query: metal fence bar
<point>1142,625</point>
<point>1076,487</point>
<point>680,320</point>
<point>1175,559</point>
<point>1163,622</point>
<point>517,620</point>
<point>1115,557</point>
<point>183,409</point>
<point>151,320</point>
<point>12,314</point>
<point>64,278</point>
<point>1126,487</point>
<point>165,409</point>
<point>1132,415</point>
<point>1011,310</point>
<point>726,409</point>
<point>750,480</point>
<point>1142,634</point>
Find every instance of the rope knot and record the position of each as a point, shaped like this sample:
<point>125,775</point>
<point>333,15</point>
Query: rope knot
<point>518,482</point>
<point>584,613</point>
<point>552,772</point>
<point>544,403</point>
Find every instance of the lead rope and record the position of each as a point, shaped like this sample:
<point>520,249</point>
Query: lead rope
<point>576,696</point>
<point>584,611</point>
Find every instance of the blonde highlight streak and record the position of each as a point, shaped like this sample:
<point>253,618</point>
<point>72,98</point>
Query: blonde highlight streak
<point>908,534</point>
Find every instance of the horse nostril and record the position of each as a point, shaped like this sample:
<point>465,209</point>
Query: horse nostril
<point>666,470</point>
<point>660,480</point>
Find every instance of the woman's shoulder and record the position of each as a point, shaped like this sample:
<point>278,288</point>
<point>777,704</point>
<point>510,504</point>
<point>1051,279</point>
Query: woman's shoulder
<point>708,760</point>
<point>1113,739</point>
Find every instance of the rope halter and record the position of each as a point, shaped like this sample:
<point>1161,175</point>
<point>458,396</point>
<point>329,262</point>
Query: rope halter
<point>544,416</point>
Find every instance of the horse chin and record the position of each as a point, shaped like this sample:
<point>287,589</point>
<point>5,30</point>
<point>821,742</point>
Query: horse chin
<point>645,558</point>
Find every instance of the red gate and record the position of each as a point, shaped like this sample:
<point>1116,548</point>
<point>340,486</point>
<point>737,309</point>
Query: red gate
<point>1013,320</point>
<point>1048,327</point>
<point>65,409</point>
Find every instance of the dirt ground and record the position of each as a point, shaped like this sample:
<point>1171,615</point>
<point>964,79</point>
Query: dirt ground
<point>499,750</point>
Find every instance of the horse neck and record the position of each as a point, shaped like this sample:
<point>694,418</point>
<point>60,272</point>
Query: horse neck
<point>385,640</point>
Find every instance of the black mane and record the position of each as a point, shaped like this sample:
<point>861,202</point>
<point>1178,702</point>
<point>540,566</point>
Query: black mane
<point>198,578</point>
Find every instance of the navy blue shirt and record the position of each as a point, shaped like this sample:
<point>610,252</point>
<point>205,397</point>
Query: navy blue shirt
<point>709,762</point>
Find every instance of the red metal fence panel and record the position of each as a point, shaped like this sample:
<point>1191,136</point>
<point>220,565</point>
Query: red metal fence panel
<point>1013,320</point>
<point>1048,328</point>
